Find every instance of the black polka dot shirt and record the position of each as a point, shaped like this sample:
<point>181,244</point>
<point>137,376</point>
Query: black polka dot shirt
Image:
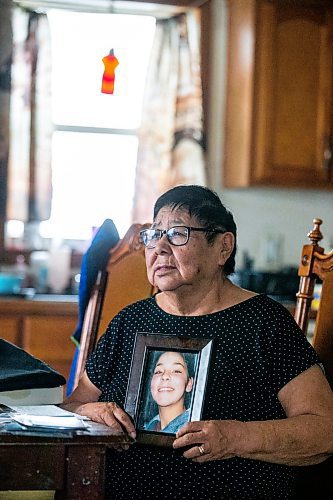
<point>257,349</point>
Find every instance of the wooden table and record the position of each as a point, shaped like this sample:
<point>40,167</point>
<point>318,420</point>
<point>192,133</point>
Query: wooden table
<point>73,465</point>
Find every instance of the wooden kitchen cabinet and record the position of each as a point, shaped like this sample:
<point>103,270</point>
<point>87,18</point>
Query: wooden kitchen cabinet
<point>42,328</point>
<point>279,116</point>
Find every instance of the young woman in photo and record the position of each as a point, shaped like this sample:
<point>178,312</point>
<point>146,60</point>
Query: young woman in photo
<point>170,382</point>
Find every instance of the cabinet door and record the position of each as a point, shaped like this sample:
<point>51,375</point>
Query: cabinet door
<point>279,95</point>
<point>48,338</point>
<point>293,97</point>
<point>10,329</point>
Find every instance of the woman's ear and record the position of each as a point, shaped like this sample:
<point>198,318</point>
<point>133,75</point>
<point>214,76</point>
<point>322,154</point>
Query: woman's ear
<point>189,385</point>
<point>227,246</point>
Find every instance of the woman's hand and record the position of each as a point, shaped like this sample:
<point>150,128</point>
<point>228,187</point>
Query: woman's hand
<point>109,414</point>
<point>84,401</point>
<point>208,440</point>
<point>112,415</point>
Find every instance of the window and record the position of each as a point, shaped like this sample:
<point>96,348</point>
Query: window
<point>94,145</point>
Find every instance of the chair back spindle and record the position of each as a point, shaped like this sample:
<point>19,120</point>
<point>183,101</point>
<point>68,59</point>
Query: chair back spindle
<point>316,264</point>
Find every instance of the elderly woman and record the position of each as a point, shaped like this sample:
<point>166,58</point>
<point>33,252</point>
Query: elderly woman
<point>268,407</point>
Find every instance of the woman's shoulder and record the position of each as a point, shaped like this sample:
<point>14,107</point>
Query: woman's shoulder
<point>265,303</point>
<point>256,305</point>
<point>237,295</point>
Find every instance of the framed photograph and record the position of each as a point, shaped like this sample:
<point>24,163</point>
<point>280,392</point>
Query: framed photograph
<point>167,384</point>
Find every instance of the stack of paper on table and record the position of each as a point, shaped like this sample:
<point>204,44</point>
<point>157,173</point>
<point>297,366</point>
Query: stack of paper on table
<point>41,417</point>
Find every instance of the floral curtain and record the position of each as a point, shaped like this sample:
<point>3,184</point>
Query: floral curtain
<point>29,187</point>
<point>5,71</point>
<point>171,143</point>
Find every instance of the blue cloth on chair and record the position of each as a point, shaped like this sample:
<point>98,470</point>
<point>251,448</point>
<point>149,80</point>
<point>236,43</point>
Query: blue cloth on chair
<point>94,260</point>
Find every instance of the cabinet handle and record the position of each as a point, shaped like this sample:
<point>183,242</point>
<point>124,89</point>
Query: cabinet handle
<point>327,156</point>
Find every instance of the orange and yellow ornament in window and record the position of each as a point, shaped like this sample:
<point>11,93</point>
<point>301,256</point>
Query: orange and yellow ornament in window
<point>110,63</point>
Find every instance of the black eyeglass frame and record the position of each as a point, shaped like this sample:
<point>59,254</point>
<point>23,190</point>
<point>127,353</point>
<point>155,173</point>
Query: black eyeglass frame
<point>166,231</point>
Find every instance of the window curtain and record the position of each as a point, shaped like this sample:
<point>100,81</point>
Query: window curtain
<point>171,142</point>
<point>5,70</point>
<point>29,187</point>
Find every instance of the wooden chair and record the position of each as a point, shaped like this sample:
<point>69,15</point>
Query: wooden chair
<point>123,282</point>
<point>316,264</point>
<point>315,481</point>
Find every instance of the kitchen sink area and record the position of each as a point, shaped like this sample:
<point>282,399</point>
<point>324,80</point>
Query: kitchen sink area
<point>281,285</point>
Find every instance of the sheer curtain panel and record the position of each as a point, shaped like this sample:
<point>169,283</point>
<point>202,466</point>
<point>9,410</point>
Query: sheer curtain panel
<point>171,139</point>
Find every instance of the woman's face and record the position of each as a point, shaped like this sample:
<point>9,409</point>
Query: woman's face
<point>170,267</point>
<point>170,379</point>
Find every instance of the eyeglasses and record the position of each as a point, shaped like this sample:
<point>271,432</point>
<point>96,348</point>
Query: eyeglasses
<point>177,235</point>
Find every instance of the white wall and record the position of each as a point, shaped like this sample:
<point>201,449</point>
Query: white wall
<point>269,220</point>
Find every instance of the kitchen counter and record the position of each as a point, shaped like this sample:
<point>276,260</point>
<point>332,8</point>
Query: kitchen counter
<point>39,302</point>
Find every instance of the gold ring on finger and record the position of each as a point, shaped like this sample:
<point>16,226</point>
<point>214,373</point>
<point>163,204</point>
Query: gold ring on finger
<point>201,449</point>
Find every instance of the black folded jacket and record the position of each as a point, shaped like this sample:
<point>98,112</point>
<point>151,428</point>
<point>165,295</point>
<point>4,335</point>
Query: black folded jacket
<point>19,370</point>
